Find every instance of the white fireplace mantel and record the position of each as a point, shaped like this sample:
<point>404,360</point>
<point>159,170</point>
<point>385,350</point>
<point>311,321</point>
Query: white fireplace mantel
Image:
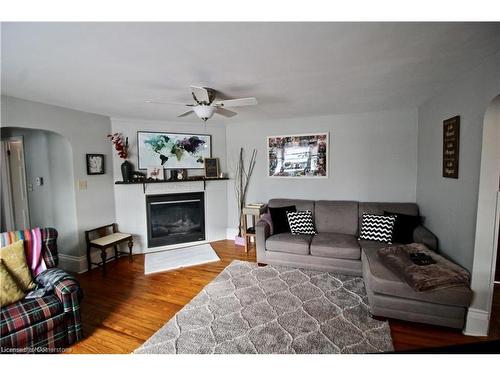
<point>130,201</point>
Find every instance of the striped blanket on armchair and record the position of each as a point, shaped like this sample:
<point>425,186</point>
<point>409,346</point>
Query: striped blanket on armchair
<point>49,321</point>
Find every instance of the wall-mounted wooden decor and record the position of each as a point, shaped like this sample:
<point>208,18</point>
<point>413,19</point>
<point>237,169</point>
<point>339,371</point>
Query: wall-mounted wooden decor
<point>451,146</point>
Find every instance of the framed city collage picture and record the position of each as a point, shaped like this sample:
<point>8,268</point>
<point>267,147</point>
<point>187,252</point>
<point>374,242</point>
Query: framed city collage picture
<point>298,156</point>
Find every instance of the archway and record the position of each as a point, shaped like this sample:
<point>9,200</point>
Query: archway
<point>49,180</point>
<point>487,225</point>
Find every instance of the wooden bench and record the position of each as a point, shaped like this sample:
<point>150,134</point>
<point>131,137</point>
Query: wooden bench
<point>106,237</point>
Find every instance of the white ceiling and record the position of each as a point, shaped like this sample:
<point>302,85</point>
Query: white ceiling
<point>294,69</point>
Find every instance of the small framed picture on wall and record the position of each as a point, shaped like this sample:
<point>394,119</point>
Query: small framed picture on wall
<point>95,164</point>
<point>211,167</point>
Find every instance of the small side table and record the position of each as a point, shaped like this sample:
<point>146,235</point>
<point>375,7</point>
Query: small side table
<point>255,213</point>
<point>103,241</point>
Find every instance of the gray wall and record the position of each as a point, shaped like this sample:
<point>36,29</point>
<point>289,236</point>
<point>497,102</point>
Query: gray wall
<point>372,158</point>
<point>450,205</point>
<point>86,133</point>
<point>52,204</point>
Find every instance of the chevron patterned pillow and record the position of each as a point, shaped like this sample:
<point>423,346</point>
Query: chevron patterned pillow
<point>377,228</point>
<point>301,222</point>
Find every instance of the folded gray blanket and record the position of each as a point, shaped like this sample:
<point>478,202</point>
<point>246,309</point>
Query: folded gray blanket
<point>46,281</point>
<point>442,274</point>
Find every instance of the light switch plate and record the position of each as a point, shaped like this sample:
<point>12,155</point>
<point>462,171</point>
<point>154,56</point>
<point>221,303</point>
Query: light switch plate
<point>82,184</point>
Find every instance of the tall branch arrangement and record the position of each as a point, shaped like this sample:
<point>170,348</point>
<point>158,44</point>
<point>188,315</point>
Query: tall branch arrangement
<point>242,180</point>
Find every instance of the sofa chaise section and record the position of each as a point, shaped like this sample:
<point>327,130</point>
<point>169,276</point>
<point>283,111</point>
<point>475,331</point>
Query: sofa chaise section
<point>391,297</point>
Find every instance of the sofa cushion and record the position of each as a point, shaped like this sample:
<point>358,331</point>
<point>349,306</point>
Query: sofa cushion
<point>336,217</point>
<point>280,218</point>
<point>335,245</point>
<point>380,279</point>
<point>14,259</point>
<point>28,312</point>
<point>301,222</point>
<point>378,208</point>
<point>300,204</point>
<point>403,227</point>
<point>373,245</point>
<point>377,228</point>
<point>10,292</point>
<point>289,243</point>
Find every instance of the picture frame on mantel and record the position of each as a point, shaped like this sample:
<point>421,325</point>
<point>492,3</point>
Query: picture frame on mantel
<point>211,168</point>
<point>173,150</point>
<point>451,147</point>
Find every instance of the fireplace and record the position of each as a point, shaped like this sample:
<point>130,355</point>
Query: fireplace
<point>175,218</point>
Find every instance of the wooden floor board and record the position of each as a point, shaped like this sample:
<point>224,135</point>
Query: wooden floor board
<point>124,308</point>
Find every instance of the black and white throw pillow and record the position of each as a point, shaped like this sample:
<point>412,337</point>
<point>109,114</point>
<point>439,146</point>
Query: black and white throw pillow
<point>301,222</point>
<point>377,228</point>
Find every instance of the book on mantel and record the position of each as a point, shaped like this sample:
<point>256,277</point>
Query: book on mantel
<point>255,205</point>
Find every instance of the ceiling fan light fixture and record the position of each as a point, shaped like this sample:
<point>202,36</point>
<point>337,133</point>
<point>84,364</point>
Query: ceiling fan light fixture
<point>204,112</point>
<point>205,104</point>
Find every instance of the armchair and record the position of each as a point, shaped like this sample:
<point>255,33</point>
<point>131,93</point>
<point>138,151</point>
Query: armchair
<point>49,322</point>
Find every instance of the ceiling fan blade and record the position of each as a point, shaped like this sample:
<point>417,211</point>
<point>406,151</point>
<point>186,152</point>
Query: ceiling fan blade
<point>201,94</point>
<point>187,113</point>
<point>173,103</point>
<point>236,102</point>
<point>225,112</point>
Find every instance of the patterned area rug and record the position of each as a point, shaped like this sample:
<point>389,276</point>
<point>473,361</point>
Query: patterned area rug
<point>274,309</point>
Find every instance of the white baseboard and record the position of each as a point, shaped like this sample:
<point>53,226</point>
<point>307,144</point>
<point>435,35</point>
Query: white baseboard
<point>79,264</point>
<point>231,233</point>
<point>477,323</point>
<point>72,263</point>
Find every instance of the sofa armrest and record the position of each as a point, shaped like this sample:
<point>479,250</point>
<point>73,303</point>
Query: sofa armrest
<point>67,289</point>
<point>423,235</point>
<point>262,233</point>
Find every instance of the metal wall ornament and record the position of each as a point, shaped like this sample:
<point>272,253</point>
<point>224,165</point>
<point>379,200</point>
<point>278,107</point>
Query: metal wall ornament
<point>451,147</point>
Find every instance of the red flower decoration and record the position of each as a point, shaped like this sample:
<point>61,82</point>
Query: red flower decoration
<point>121,147</point>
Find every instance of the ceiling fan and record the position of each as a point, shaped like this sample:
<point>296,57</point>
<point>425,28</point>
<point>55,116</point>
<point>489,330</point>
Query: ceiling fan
<point>206,104</point>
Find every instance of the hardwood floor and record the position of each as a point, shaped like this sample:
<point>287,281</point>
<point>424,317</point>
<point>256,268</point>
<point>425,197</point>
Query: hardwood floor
<point>124,308</point>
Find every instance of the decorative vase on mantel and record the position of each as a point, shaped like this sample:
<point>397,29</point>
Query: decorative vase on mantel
<point>120,143</point>
<point>127,169</point>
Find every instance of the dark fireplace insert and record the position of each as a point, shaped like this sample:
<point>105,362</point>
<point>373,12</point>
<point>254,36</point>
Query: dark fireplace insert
<point>175,218</point>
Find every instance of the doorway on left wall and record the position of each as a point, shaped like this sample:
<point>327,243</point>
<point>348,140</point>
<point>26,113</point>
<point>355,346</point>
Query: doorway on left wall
<point>14,193</point>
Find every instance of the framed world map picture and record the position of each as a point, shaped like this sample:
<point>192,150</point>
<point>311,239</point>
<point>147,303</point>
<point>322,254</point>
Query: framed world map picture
<point>301,155</point>
<point>173,150</point>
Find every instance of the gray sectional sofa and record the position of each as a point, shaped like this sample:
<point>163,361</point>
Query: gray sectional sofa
<point>335,248</point>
